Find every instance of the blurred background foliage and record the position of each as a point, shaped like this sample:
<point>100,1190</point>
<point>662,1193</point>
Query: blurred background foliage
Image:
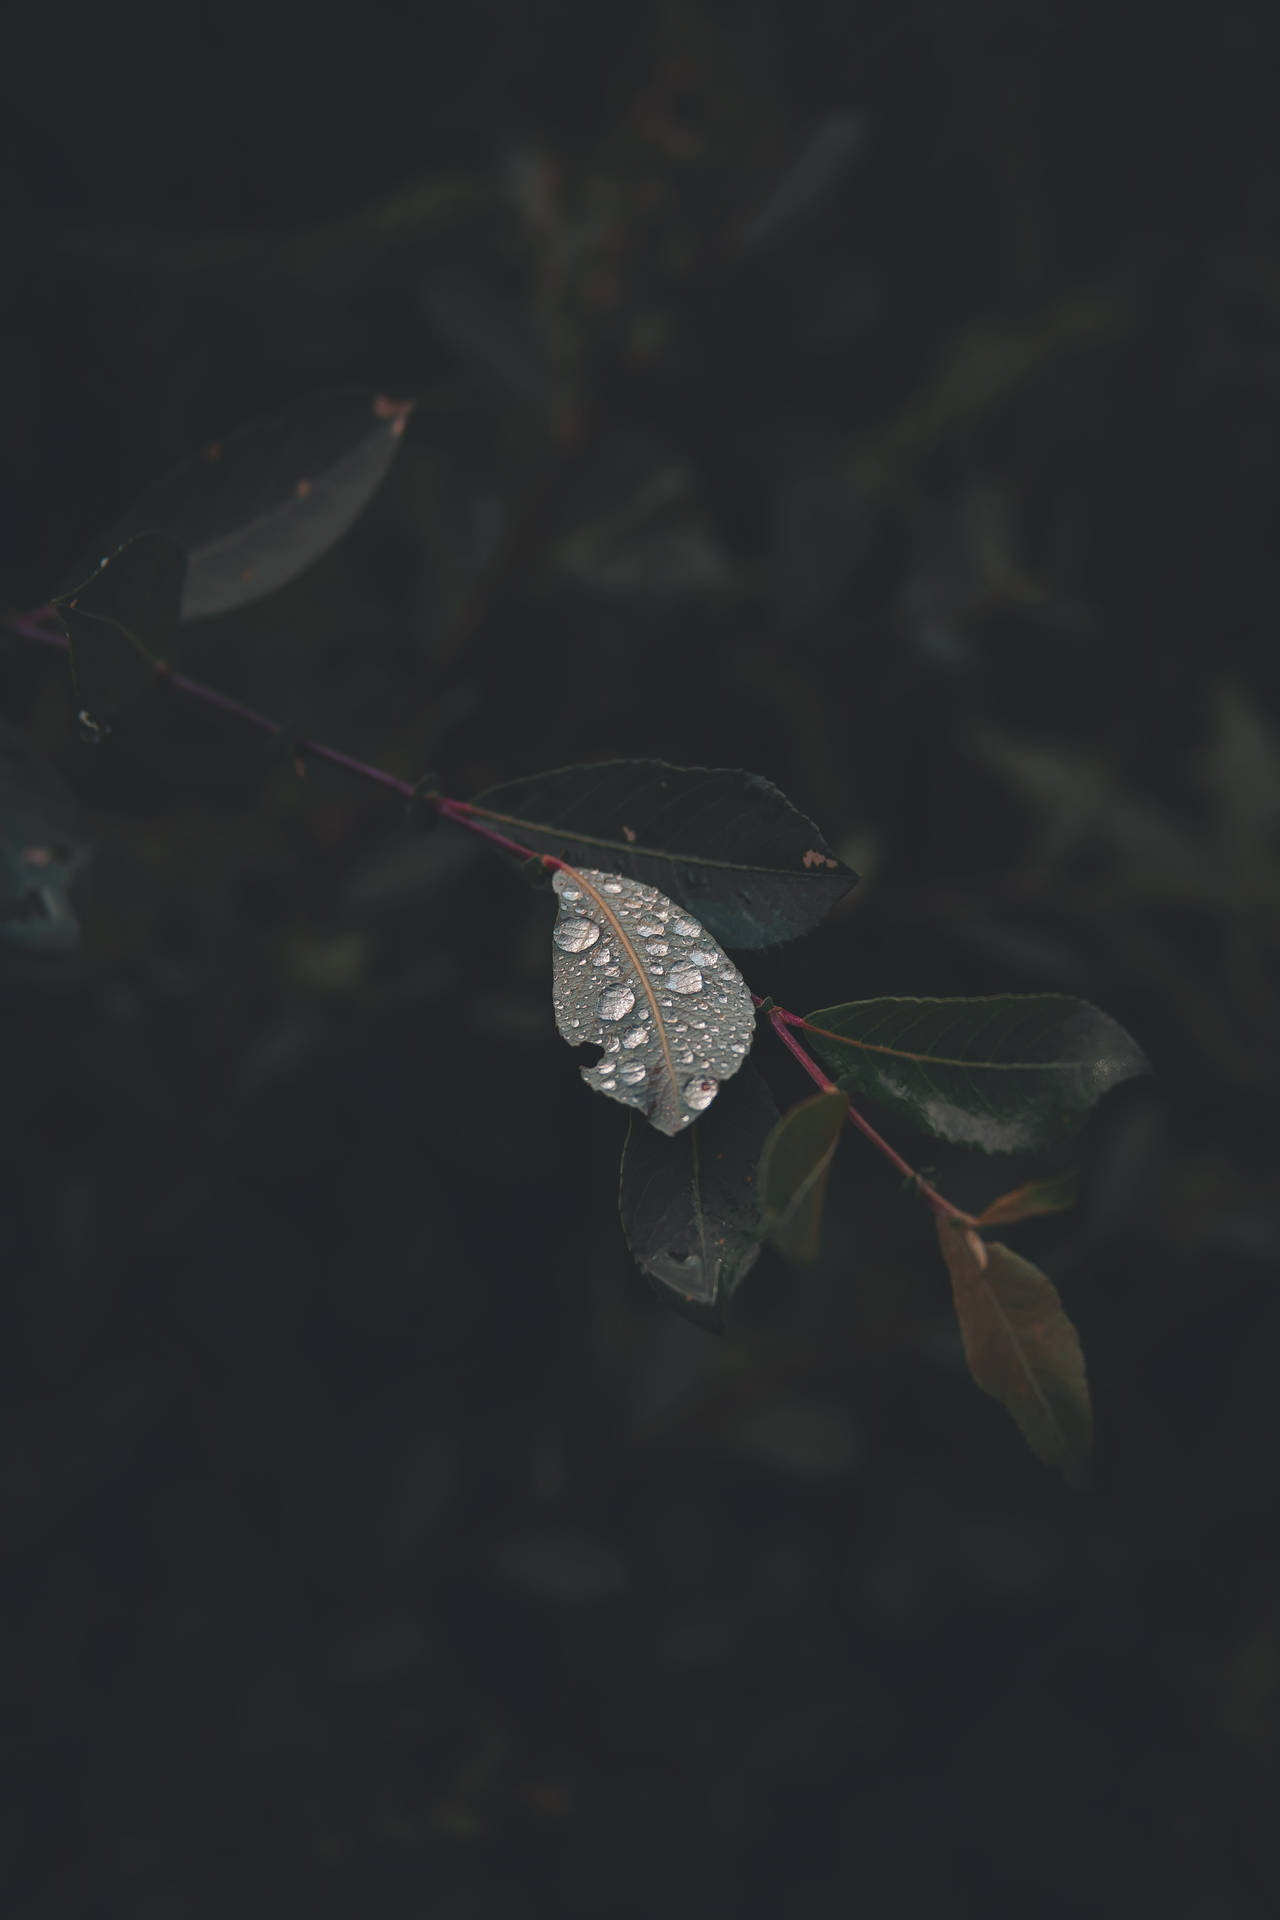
<point>884,398</point>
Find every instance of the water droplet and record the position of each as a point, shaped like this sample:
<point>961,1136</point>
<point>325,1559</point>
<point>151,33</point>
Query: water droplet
<point>636,1037</point>
<point>646,928</point>
<point>612,1044</point>
<point>614,1002</point>
<point>602,958</point>
<point>613,886</point>
<point>659,949</point>
<point>568,893</point>
<point>684,979</point>
<point>687,929</point>
<point>699,957</point>
<point>632,1072</point>
<point>700,1092</point>
<point>606,1066</point>
<point>573,935</point>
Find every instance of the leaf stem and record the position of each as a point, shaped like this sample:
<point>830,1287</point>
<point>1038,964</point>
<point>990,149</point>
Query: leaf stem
<point>782,1022</point>
<point>34,626</point>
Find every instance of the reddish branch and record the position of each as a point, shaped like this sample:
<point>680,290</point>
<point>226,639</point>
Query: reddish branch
<point>784,1024</point>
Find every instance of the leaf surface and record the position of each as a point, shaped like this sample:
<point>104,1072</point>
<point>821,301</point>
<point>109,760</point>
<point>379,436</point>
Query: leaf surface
<point>1055,1194</point>
<point>689,1205</point>
<point>1005,1073</point>
<point>122,620</point>
<point>1021,1347</point>
<point>42,849</point>
<point>639,976</point>
<point>722,842</point>
<point>254,509</point>
<point>794,1168</point>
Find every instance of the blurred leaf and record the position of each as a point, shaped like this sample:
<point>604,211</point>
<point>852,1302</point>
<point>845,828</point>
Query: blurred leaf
<point>1007,1072</point>
<point>689,1205</point>
<point>1021,1347</point>
<point>122,621</point>
<point>637,976</point>
<point>724,843</point>
<point>794,1168</point>
<point>42,849</point>
<point>1053,1195</point>
<point>256,508</point>
<point>813,175</point>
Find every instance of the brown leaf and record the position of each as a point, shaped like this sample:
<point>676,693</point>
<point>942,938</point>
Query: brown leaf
<point>1052,1195</point>
<point>1021,1347</point>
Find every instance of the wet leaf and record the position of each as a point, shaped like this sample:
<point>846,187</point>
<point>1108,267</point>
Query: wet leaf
<point>42,849</point>
<point>793,1173</point>
<point>1005,1073</point>
<point>1053,1195</point>
<point>725,843</point>
<point>1021,1347</point>
<point>640,977</point>
<point>254,509</point>
<point>689,1204</point>
<point>122,620</point>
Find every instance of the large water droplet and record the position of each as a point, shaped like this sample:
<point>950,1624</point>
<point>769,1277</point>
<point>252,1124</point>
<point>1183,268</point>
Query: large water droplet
<point>606,1066</point>
<point>613,886</point>
<point>700,1092</point>
<point>602,958</point>
<point>632,1072</point>
<point>659,949</point>
<point>699,957</point>
<point>573,935</point>
<point>687,929</point>
<point>647,928</point>
<point>636,1037</point>
<point>684,979</point>
<point>614,1002</point>
<point>571,894</point>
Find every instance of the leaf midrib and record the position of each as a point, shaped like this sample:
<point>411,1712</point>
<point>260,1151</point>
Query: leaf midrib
<point>941,1059</point>
<point>631,849</point>
<point>606,908</point>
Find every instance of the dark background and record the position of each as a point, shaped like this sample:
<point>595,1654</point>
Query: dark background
<point>883,398</point>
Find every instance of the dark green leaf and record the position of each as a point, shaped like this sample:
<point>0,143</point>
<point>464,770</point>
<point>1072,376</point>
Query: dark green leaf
<point>42,849</point>
<point>1020,1345</point>
<point>122,620</point>
<point>726,844</point>
<point>254,509</point>
<point>794,1168</point>
<point>1052,1195</point>
<point>1007,1073</point>
<point>689,1203</point>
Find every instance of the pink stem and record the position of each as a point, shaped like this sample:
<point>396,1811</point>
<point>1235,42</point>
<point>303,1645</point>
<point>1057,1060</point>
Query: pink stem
<point>782,1023</point>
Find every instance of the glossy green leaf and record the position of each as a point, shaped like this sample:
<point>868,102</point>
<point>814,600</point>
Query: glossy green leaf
<point>794,1168</point>
<point>689,1204</point>
<point>1021,1347</point>
<point>254,509</point>
<point>1007,1073</point>
<point>42,849</point>
<point>121,622</point>
<point>724,843</point>
<point>1053,1195</point>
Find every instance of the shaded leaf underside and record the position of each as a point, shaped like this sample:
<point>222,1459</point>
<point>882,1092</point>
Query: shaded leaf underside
<point>689,1204</point>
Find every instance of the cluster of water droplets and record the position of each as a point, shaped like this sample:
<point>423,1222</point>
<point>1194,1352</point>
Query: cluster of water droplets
<point>638,976</point>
